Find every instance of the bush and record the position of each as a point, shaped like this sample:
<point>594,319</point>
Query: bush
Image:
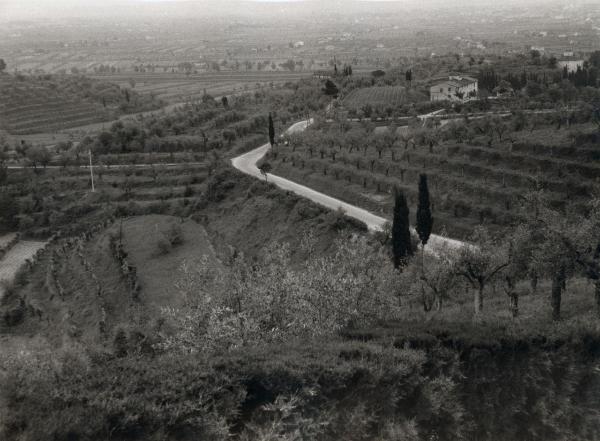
<point>120,343</point>
<point>175,234</point>
<point>164,245</point>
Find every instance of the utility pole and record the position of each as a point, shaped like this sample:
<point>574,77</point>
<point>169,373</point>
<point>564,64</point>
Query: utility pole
<point>91,170</point>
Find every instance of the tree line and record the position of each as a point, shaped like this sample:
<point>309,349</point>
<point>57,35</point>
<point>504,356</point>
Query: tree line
<point>548,244</point>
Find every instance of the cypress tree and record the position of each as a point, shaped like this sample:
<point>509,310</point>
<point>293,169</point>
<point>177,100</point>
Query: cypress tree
<point>120,343</point>
<point>401,243</point>
<point>424,217</point>
<point>271,131</point>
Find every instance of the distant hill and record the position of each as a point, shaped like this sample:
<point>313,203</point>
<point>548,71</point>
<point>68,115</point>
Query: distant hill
<point>47,103</point>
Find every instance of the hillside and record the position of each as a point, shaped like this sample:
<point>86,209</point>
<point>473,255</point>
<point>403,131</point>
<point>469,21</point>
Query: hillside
<point>244,214</point>
<point>36,104</point>
<point>82,289</point>
<point>478,170</point>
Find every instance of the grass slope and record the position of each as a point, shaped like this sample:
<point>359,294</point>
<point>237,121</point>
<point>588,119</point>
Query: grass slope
<point>157,271</point>
<point>88,299</point>
<point>249,214</point>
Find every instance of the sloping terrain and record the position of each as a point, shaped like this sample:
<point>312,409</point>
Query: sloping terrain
<point>471,182</point>
<point>388,96</point>
<point>245,214</point>
<point>158,268</point>
<point>81,289</point>
<point>50,103</point>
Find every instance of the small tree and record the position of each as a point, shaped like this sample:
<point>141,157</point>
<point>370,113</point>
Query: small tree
<point>479,263</point>
<point>440,279</point>
<point>331,89</point>
<point>120,343</point>
<point>229,136</point>
<point>38,155</point>
<point>579,242</point>
<point>225,102</point>
<point>271,131</point>
<point>424,217</point>
<point>2,65</point>
<point>519,257</point>
<point>401,240</point>
<point>265,168</point>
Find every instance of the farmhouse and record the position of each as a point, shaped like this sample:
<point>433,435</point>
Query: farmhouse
<point>570,63</point>
<point>456,88</point>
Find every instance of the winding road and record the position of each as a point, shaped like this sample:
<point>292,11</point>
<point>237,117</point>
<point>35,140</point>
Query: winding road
<point>246,163</point>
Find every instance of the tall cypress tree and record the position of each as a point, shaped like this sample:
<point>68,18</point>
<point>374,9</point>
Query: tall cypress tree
<point>424,217</point>
<point>271,131</point>
<point>401,244</point>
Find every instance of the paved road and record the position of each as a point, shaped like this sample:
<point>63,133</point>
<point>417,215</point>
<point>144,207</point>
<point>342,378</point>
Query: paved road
<point>247,164</point>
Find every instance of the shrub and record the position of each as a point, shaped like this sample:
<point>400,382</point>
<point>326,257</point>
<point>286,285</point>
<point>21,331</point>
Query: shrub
<point>175,234</point>
<point>163,245</point>
<point>120,343</point>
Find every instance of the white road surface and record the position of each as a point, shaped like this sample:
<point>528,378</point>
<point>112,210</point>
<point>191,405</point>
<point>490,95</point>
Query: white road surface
<point>15,258</point>
<point>247,164</point>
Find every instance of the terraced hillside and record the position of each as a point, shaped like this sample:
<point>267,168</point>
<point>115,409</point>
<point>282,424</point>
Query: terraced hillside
<point>155,164</point>
<point>481,179</point>
<point>86,286</point>
<point>387,96</point>
<point>61,199</point>
<point>178,87</point>
<point>51,103</point>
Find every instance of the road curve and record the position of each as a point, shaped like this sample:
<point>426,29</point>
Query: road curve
<point>246,163</point>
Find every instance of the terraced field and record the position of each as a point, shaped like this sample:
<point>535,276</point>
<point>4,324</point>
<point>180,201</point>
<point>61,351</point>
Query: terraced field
<point>178,87</point>
<point>41,110</point>
<point>388,96</point>
<point>30,105</point>
<point>66,193</point>
<point>470,183</point>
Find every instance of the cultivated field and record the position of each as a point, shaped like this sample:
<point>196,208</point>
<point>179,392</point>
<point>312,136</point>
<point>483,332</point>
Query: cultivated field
<point>470,183</point>
<point>179,87</point>
<point>388,96</point>
<point>42,104</point>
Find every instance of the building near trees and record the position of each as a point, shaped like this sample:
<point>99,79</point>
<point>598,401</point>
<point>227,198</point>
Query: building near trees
<point>456,88</point>
<point>571,63</point>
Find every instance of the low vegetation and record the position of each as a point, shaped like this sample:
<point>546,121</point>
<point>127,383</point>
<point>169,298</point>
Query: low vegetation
<point>184,300</point>
<point>478,168</point>
<point>47,103</point>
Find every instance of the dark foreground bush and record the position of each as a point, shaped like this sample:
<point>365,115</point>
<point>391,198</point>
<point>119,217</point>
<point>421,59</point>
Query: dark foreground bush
<point>312,391</point>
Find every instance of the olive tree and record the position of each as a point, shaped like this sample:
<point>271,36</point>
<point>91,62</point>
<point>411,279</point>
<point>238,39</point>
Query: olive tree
<point>480,262</point>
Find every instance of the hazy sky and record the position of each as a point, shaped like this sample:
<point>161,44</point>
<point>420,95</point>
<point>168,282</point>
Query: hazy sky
<point>20,9</point>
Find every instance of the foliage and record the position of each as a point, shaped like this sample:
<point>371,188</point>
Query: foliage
<point>401,239</point>
<point>270,300</point>
<point>424,218</point>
